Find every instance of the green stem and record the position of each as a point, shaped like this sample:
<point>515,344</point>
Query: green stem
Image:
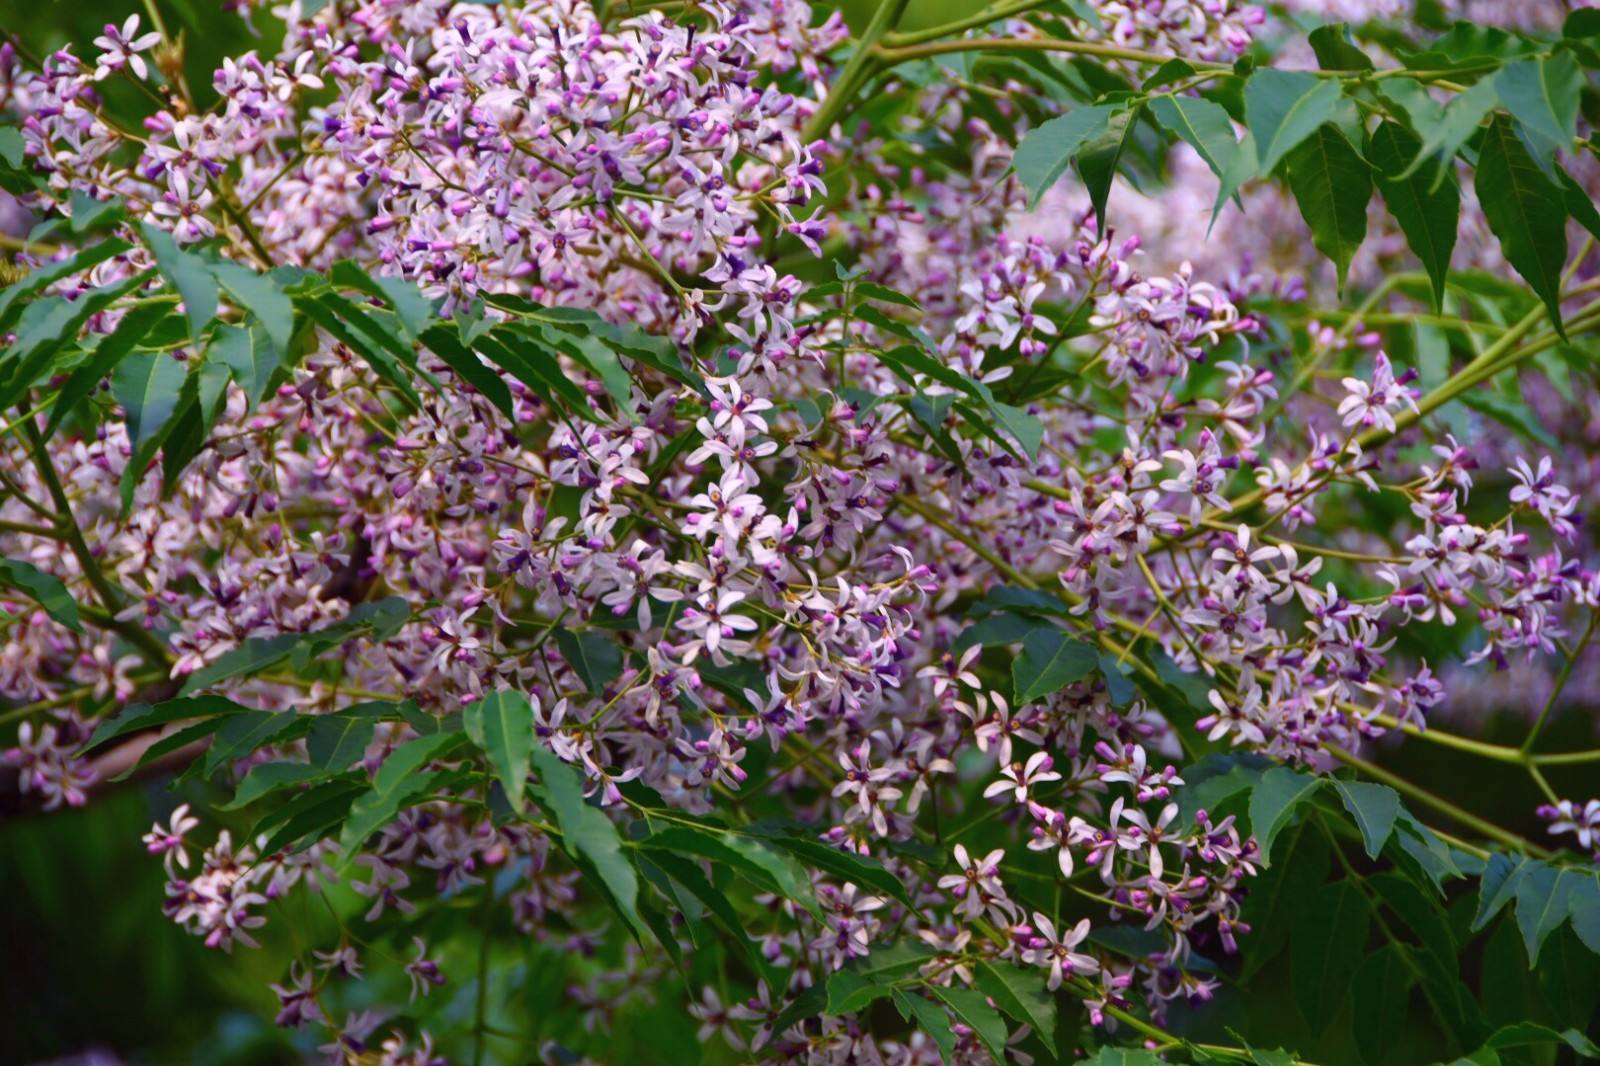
<point>1032,44</point>
<point>1561,683</point>
<point>883,20</point>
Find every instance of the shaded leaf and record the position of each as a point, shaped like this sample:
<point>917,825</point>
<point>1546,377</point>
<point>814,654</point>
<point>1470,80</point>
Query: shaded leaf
<point>501,723</point>
<point>189,274</point>
<point>1021,994</point>
<point>46,590</point>
<point>1203,125</point>
<point>1332,185</point>
<point>1517,200</point>
<point>397,781</point>
<point>1050,660</point>
<point>267,778</point>
<point>587,836</point>
<point>1328,943</point>
<point>1542,94</point>
<point>1274,802</point>
<point>596,659</point>
<point>1374,808</point>
<point>1046,152</point>
<point>846,865</point>
<point>1380,991</point>
<point>1284,108</point>
<point>1427,215</point>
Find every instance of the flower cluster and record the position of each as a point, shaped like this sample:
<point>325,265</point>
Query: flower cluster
<point>807,552</point>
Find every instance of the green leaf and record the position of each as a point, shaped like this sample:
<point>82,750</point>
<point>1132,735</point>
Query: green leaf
<point>1328,943</point>
<point>265,779</point>
<point>1427,215</point>
<point>1215,779</point>
<point>973,1009</point>
<point>1429,855</point>
<point>45,328</point>
<point>445,343</point>
<point>1584,910</point>
<point>1336,50</point>
<point>242,734</point>
<point>1027,429</point>
<point>1332,185</point>
<point>397,781</point>
<point>138,716</point>
<point>1497,887</point>
<point>188,273</point>
<point>1022,601</point>
<point>849,991</point>
<point>112,347</point>
<point>754,859</point>
<point>324,309</point>
<point>1241,169</point>
<point>1050,661</point>
<point>1284,108</point>
<point>1098,160</point>
<point>199,403</point>
<point>1460,121</point>
<point>148,387</point>
<point>931,1019</point>
<point>1021,994</point>
<point>336,740</point>
<point>1518,201</point>
<point>595,658</point>
<point>380,619</point>
<point>1532,1034</point>
<point>601,360</point>
<point>1374,808</point>
<point>1380,992</point>
<point>244,352</point>
<point>261,296</point>
<point>502,725</point>
<point>47,590</point>
<point>588,836</point>
<point>12,146</point>
<point>411,307</point>
<point>1046,152</point>
<point>1542,94</point>
<point>13,297</point>
<point>89,213</point>
<point>1543,903</point>
<point>845,865</point>
<point>1002,628</point>
<point>1203,125</point>
<point>1274,801</point>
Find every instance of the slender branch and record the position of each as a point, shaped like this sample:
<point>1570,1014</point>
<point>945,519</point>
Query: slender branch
<point>888,13</point>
